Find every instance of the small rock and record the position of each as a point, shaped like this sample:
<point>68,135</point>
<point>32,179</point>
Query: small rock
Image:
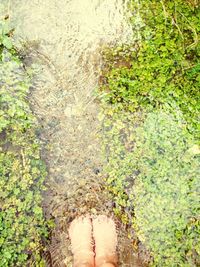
<point>96,170</point>
<point>68,111</point>
<point>93,211</point>
<point>82,182</point>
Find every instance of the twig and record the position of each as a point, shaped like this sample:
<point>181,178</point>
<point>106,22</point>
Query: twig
<point>23,159</point>
<point>196,39</point>
<point>164,11</point>
<point>175,23</point>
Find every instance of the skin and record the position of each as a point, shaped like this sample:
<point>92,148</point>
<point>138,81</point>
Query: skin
<point>82,244</point>
<point>84,233</point>
<point>107,265</point>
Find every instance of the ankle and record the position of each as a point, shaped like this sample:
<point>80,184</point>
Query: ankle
<point>107,265</point>
<point>109,260</point>
<point>84,265</point>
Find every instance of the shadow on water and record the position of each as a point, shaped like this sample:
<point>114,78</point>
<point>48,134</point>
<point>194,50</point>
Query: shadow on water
<point>64,40</point>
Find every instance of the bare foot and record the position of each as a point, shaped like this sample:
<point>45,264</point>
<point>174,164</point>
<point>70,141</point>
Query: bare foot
<point>80,232</point>
<point>105,237</point>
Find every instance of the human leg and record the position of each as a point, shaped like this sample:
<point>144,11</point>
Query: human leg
<point>105,238</point>
<point>107,265</point>
<point>80,233</point>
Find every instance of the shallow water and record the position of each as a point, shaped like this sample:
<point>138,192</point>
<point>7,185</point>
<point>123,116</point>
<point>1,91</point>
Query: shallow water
<point>65,39</point>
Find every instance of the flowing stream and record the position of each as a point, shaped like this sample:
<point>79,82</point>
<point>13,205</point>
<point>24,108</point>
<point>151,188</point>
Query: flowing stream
<point>64,40</point>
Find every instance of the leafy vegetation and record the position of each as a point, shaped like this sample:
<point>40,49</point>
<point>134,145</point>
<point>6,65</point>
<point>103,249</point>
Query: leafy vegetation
<point>166,191</point>
<point>164,61</point>
<point>150,114</point>
<point>153,175</point>
<point>22,172</point>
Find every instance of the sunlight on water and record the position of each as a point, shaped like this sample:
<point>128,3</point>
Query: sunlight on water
<point>66,27</point>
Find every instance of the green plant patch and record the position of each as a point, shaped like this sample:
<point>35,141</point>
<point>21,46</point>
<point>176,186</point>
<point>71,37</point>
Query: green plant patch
<point>164,62</point>
<point>150,116</point>
<point>22,173</point>
<point>153,175</point>
<point>166,191</point>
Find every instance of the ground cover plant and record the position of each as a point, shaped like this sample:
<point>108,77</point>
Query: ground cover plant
<point>22,172</point>
<point>150,115</point>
